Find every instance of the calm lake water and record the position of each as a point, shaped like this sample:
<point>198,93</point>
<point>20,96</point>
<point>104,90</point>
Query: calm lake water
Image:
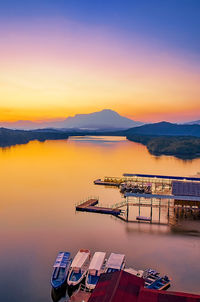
<point>40,184</point>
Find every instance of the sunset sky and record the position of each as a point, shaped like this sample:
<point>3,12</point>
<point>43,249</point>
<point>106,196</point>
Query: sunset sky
<point>62,57</point>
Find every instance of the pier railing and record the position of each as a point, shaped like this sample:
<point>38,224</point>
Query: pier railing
<point>139,179</point>
<point>119,204</point>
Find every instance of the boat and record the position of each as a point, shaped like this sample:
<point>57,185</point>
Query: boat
<point>153,280</point>
<point>96,268</point>
<point>160,284</point>
<point>143,218</point>
<point>79,267</point>
<point>61,269</point>
<point>138,273</point>
<point>115,262</point>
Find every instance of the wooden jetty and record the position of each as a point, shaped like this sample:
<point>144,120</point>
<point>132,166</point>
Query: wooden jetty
<point>106,183</point>
<point>88,203</point>
<point>90,206</point>
<point>143,218</point>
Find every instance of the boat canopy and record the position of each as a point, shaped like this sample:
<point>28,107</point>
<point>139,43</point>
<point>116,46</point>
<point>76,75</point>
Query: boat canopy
<point>62,259</point>
<point>134,272</point>
<point>97,261</point>
<point>80,258</point>
<point>115,261</point>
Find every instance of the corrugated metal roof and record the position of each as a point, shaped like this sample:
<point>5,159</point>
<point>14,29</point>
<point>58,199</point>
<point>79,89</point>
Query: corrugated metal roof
<point>186,188</point>
<point>118,286</point>
<point>152,295</point>
<point>123,287</point>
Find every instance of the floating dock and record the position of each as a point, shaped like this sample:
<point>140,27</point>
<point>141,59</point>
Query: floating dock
<point>174,197</point>
<point>106,183</point>
<point>143,218</point>
<point>90,206</point>
<point>88,203</point>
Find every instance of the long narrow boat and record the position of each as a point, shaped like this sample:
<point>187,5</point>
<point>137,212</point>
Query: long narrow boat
<point>152,278</point>
<point>96,268</point>
<point>143,218</point>
<point>61,269</point>
<point>159,284</point>
<point>78,268</point>
<point>116,262</point>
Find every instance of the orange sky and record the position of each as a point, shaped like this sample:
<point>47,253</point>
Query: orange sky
<point>80,70</point>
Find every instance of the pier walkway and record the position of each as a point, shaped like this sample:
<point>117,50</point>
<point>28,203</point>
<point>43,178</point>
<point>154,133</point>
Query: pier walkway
<point>113,183</point>
<point>88,203</point>
<point>159,196</point>
<point>90,206</point>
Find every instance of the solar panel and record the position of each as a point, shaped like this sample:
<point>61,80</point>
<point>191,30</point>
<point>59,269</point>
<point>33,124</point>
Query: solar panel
<point>186,188</point>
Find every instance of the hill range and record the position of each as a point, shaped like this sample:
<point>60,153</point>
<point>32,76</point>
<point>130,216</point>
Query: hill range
<point>160,138</point>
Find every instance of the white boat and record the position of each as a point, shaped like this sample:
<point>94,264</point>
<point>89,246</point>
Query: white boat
<point>78,268</point>
<point>96,268</point>
<point>116,262</point>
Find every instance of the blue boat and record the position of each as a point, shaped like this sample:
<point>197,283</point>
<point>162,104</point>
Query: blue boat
<point>61,269</point>
<point>160,284</point>
<point>153,280</point>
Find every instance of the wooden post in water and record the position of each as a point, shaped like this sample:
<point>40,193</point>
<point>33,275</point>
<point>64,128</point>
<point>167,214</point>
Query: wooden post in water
<point>159,208</point>
<point>151,209</point>
<point>168,208</point>
<point>168,211</point>
<point>139,206</point>
<point>127,209</point>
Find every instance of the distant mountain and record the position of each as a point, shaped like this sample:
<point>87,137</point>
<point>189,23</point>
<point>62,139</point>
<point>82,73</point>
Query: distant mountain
<point>164,129</point>
<point>105,119</point>
<point>20,125</point>
<point>193,123</point>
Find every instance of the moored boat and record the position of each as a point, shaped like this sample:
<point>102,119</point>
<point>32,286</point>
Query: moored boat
<point>143,218</point>
<point>138,273</point>
<point>96,268</point>
<point>78,267</point>
<point>160,284</point>
<point>153,280</point>
<point>115,262</point>
<point>61,269</point>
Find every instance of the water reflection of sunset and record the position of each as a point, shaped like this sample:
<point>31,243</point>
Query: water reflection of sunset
<point>40,184</point>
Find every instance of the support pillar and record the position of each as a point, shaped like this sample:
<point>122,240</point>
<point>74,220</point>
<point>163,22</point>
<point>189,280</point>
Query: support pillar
<point>159,208</point>
<point>151,209</point>
<point>139,206</point>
